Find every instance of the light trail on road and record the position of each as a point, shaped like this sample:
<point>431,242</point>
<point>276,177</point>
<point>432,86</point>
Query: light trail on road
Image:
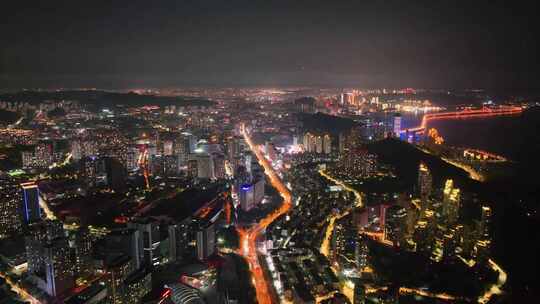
<point>248,237</point>
<point>23,294</point>
<point>347,287</point>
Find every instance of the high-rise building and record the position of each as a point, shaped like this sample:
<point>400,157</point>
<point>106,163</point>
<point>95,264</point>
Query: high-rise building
<point>89,170</point>
<point>83,148</point>
<point>205,165</point>
<point>206,240</point>
<point>246,195</point>
<point>136,286</point>
<point>183,146</point>
<point>451,202</point>
<point>305,104</point>
<point>258,190</point>
<point>192,169</point>
<point>30,202</point>
<point>44,154</point>
<point>317,143</point>
<point>37,235</point>
<point>132,158</point>
<point>327,144</point>
<point>359,292</point>
<point>219,165</point>
<point>115,173</point>
<point>361,252</point>
<point>180,236</point>
<point>150,234</point>
<point>58,270</point>
<point>167,147</point>
<point>396,224</point>
<point>233,147</point>
<point>33,240</point>
<point>28,159</point>
<point>117,270</point>
<point>397,125</point>
<point>484,224</point>
<point>10,216</point>
<point>126,241</point>
<point>83,253</point>
<point>425,182</point>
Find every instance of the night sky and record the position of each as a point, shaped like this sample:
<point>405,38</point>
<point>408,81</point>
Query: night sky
<point>121,44</point>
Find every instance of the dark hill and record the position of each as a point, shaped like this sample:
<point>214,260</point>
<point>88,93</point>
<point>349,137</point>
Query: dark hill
<point>405,158</point>
<point>323,123</point>
<point>8,117</point>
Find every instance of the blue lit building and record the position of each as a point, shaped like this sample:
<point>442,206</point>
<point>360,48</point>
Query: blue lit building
<point>30,202</point>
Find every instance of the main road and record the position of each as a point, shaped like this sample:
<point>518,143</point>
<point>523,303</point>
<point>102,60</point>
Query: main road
<point>248,237</point>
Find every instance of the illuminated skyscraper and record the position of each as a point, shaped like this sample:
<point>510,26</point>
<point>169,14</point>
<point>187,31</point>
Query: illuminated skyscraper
<point>136,286</point>
<point>451,202</point>
<point>327,144</point>
<point>485,221</point>
<point>425,182</point>
<point>246,195</point>
<point>361,252</point>
<point>316,143</point>
<point>117,270</point>
<point>34,240</point>
<point>30,202</point>
<point>58,270</point>
<point>10,216</point>
<point>234,147</point>
<point>89,170</point>
<point>397,124</point>
<point>182,148</point>
<point>83,253</point>
<point>44,154</point>
<point>396,225</point>
<point>37,235</point>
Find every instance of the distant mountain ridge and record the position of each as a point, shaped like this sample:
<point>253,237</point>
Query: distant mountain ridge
<point>102,98</point>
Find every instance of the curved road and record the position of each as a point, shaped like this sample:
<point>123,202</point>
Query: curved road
<point>248,237</point>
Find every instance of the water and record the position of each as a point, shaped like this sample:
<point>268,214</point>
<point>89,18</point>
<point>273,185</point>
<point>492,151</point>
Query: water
<point>516,137</point>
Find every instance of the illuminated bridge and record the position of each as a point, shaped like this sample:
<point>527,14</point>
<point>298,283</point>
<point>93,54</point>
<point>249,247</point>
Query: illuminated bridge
<point>468,113</point>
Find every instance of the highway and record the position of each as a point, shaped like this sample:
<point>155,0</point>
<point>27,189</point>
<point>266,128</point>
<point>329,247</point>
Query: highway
<point>23,294</point>
<point>248,237</point>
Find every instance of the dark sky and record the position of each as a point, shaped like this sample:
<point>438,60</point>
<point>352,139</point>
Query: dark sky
<point>124,43</point>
